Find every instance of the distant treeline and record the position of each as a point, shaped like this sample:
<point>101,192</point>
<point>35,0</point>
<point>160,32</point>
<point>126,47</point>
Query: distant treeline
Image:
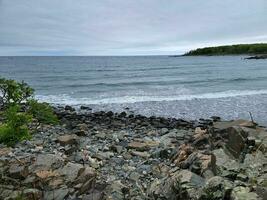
<point>238,49</point>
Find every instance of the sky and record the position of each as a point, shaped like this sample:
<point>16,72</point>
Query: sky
<point>127,27</point>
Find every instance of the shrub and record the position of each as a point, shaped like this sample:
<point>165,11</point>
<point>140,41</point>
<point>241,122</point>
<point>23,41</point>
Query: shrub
<point>15,126</point>
<point>42,112</point>
<point>13,92</point>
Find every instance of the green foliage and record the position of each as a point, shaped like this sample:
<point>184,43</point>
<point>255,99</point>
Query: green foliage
<point>42,112</point>
<point>12,92</point>
<point>14,128</point>
<point>239,49</point>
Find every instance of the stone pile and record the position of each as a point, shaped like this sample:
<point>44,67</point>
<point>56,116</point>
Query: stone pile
<point>106,155</point>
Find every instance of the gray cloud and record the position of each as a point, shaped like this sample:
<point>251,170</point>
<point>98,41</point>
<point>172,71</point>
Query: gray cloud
<point>127,27</point>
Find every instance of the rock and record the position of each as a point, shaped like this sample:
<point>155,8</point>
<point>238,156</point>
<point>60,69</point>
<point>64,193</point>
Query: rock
<point>216,188</point>
<point>69,108</point>
<point>261,192</point>
<point>67,139</point>
<point>142,146</point>
<point>71,171</point>
<point>254,164</point>
<point>5,151</point>
<point>223,125</point>
<point>87,186</point>
<point>134,176</point>
<point>87,174</point>
<point>226,162</point>
<point>184,151</point>
<point>96,195</point>
<point>236,140</point>
<point>32,194</point>
<point>181,185</point>
<point>140,154</point>
<point>243,193</point>
<point>85,108</point>
<point>18,172</point>
<point>199,163</point>
<point>47,162</point>
<point>116,191</point>
<point>56,194</point>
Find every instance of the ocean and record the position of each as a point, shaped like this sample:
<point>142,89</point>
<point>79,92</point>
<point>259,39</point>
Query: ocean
<point>181,87</point>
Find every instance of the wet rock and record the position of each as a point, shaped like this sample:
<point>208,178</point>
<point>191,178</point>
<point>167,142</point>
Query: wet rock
<point>67,139</point>
<point>69,108</point>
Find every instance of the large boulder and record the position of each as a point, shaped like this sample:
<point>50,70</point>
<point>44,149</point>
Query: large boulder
<point>237,138</point>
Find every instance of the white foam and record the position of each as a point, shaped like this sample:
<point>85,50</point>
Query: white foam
<point>66,99</point>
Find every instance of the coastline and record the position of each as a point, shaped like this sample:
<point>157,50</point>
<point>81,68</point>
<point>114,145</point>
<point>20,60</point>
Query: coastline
<point>106,155</point>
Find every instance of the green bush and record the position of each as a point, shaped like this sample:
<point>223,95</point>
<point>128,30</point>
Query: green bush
<point>42,112</point>
<point>15,126</point>
<point>13,92</point>
<point>14,121</point>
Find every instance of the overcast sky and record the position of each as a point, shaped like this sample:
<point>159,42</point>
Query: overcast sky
<point>127,27</point>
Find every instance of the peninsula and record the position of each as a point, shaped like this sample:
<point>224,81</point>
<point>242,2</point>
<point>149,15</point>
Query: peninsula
<point>238,49</point>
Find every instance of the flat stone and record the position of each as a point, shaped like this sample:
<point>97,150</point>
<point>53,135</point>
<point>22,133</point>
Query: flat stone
<point>222,125</point>
<point>142,146</point>
<point>67,139</point>
<point>48,162</point>
<point>140,154</point>
<point>71,171</point>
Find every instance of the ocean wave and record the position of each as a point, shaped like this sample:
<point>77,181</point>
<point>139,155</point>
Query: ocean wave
<point>66,99</point>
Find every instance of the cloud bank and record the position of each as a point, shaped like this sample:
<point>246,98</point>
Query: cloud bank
<point>127,27</point>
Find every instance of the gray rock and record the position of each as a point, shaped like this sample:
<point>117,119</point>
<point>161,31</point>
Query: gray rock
<point>181,185</point>
<point>18,172</point>
<point>236,140</point>
<point>71,171</point>
<point>216,188</point>
<point>67,139</point>
<point>56,194</point>
<point>243,193</point>
<point>32,194</point>
<point>48,162</point>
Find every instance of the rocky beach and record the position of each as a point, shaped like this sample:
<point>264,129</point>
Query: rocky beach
<point>106,155</point>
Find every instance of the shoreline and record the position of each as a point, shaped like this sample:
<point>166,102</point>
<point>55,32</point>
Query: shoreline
<point>106,155</point>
